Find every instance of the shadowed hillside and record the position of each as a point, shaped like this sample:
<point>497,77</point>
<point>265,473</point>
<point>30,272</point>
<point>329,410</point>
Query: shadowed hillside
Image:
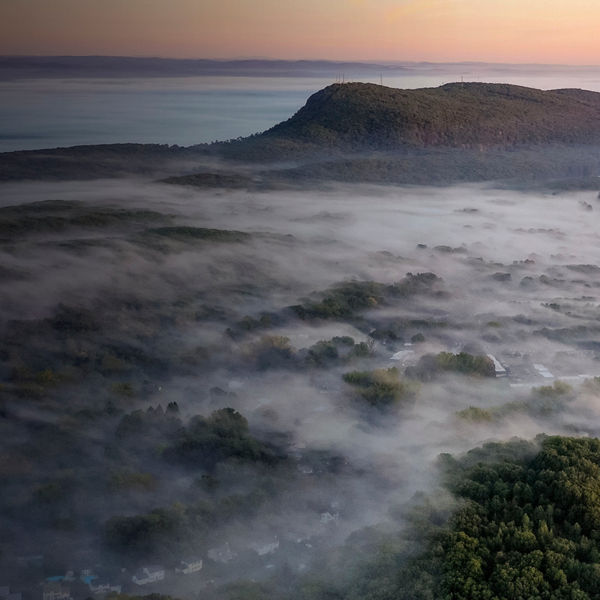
<point>94,161</point>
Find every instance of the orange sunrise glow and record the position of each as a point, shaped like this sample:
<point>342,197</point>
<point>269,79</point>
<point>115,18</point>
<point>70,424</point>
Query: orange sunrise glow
<point>549,31</point>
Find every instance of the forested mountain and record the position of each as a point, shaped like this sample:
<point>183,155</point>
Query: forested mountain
<point>369,133</point>
<point>457,115</point>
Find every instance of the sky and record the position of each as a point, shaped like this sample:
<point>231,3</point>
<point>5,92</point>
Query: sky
<point>536,31</point>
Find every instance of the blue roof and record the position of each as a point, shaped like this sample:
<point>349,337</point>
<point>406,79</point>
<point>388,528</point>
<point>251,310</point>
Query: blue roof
<point>55,578</point>
<point>89,578</point>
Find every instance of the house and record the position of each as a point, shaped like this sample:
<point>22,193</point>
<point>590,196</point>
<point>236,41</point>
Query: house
<point>499,370</point>
<point>267,546</point>
<point>190,565</point>
<point>87,576</point>
<point>402,355</point>
<point>55,590</point>
<point>328,517</point>
<point>99,586</point>
<point>543,371</point>
<point>147,575</point>
<point>222,554</point>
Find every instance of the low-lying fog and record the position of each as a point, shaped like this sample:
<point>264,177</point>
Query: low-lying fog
<point>111,302</point>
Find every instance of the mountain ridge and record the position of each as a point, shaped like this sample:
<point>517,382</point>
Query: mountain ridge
<point>368,132</point>
<point>74,67</point>
<point>354,116</point>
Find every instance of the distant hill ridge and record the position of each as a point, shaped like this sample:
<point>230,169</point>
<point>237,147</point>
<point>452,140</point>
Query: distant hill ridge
<point>459,115</point>
<point>370,133</point>
<point>28,67</point>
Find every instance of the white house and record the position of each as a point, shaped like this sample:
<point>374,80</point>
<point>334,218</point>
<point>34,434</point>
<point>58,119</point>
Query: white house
<point>402,355</point>
<point>541,369</point>
<point>499,370</point>
<point>147,575</point>
<point>103,587</point>
<point>267,546</point>
<point>190,565</point>
<point>328,517</point>
<point>222,554</point>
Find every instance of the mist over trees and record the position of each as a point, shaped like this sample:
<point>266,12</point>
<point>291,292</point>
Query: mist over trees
<point>229,386</point>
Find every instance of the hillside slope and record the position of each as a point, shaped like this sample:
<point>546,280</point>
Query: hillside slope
<point>355,116</point>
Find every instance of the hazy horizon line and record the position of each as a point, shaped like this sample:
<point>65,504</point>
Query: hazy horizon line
<point>382,61</point>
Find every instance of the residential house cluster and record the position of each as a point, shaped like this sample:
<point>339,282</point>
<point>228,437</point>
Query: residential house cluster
<point>153,573</point>
<point>58,587</point>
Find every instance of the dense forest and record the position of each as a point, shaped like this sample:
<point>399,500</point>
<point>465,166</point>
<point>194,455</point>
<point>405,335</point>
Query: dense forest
<point>523,524</point>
